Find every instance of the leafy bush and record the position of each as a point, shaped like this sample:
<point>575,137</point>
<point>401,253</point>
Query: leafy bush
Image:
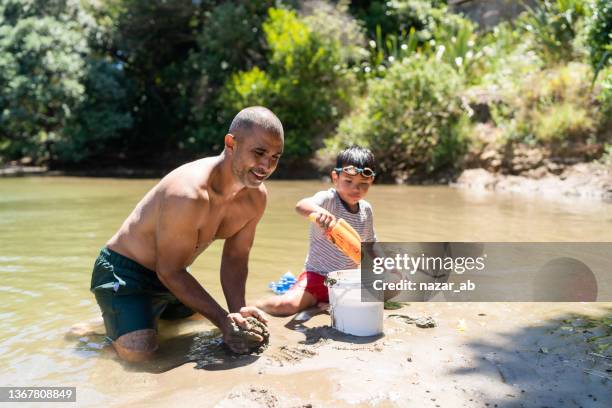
<point>382,53</point>
<point>306,82</point>
<point>498,45</point>
<point>561,122</point>
<point>334,22</point>
<point>551,106</point>
<point>456,44</point>
<point>600,34</point>
<point>396,16</point>
<point>412,119</point>
<point>554,26</point>
<point>606,157</point>
<point>422,26</point>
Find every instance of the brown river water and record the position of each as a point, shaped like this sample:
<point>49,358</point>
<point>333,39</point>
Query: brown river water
<point>51,229</point>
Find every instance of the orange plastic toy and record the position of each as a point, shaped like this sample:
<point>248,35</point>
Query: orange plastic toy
<point>344,237</point>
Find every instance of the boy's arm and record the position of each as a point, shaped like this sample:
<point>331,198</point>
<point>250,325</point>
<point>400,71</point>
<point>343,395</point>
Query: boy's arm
<point>307,206</point>
<point>234,265</point>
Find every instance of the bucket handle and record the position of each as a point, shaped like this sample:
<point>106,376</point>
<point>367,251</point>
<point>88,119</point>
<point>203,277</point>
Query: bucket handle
<point>329,282</point>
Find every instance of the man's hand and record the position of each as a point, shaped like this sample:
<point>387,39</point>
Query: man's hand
<point>325,219</point>
<point>257,313</point>
<point>242,342</point>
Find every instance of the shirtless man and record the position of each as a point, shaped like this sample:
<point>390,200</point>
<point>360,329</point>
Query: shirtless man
<point>141,275</point>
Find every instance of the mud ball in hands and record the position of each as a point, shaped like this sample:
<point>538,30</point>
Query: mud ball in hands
<point>256,336</point>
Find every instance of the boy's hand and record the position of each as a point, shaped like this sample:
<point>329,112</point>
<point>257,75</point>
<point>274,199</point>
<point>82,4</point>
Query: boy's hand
<point>325,219</point>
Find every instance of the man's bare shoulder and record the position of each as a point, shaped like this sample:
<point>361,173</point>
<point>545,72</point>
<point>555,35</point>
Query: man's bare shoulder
<point>189,181</point>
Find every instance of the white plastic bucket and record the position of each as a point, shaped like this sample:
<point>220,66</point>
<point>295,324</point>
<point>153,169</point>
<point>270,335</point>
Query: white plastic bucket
<point>349,314</point>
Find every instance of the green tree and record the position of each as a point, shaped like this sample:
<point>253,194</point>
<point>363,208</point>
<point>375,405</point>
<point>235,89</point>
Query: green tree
<point>306,82</point>
<point>50,82</point>
<point>41,75</point>
<point>151,42</point>
<point>231,40</point>
<point>97,125</point>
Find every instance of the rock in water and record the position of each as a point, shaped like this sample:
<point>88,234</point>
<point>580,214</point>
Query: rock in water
<point>249,335</point>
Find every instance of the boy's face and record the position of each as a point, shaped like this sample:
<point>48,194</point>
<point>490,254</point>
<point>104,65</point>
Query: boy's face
<point>351,188</point>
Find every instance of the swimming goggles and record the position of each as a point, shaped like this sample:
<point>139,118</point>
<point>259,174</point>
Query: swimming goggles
<point>353,171</point>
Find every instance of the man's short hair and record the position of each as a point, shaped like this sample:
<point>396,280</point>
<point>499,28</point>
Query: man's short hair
<point>256,117</point>
<point>356,156</point>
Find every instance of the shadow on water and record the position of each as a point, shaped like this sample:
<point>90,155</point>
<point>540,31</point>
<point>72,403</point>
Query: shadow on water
<point>564,362</point>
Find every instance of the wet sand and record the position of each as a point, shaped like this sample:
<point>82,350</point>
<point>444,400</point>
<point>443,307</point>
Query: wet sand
<point>478,355</point>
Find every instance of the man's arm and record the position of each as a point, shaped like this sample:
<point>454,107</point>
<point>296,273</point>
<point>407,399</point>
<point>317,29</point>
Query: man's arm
<point>234,265</point>
<point>176,239</point>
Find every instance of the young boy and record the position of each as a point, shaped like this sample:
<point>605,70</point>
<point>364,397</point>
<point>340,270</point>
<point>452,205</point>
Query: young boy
<point>352,178</point>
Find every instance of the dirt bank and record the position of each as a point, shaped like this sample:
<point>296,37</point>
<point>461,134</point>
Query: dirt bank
<point>593,180</point>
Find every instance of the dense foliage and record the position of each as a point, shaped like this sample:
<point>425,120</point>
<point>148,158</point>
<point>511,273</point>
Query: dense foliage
<point>412,119</point>
<point>152,82</point>
<point>58,98</point>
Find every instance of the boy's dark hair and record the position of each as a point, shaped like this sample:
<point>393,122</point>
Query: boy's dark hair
<point>356,156</point>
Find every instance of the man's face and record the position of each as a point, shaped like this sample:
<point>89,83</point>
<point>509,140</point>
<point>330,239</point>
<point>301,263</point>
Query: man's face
<point>351,188</point>
<point>255,157</point>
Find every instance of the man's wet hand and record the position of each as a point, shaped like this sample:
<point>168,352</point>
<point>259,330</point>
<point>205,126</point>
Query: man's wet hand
<point>240,336</point>
<point>255,312</point>
<point>232,336</point>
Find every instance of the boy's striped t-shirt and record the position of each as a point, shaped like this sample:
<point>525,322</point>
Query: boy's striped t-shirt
<point>323,256</point>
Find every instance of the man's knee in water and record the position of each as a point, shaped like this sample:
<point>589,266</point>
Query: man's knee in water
<point>136,346</point>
